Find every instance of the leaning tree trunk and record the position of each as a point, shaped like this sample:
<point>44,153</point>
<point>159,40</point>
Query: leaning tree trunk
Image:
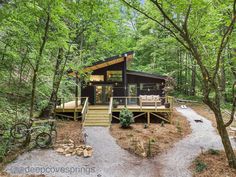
<point>215,107</point>
<point>58,73</point>
<point>36,69</point>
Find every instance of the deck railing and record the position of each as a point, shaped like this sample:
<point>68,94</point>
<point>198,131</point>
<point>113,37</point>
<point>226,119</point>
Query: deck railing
<point>135,100</point>
<point>110,108</point>
<point>78,101</point>
<point>85,109</point>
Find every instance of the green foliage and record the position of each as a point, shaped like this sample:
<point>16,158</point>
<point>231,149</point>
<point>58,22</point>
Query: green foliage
<point>213,151</point>
<point>162,123</point>
<point>145,126</point>
<point>200,166</point>
<point>126,118</point>
<point>179,128</point>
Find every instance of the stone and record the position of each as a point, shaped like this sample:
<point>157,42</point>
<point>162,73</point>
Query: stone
<point>79,152</point>
<point>89,148</point>
<point>90,153</point>
<point>85,153</point>
<point>68,155</point>
<point>60,150</point>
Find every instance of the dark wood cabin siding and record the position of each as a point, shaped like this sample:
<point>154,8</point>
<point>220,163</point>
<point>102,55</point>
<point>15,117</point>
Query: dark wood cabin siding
<point>118,87</point>
<point>135,79</point>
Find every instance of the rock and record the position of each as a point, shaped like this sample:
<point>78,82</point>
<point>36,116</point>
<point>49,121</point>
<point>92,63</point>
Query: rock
<point>60,150</point>
<point>79,152</point>
<point>85,153</point>
<point>89,148</point>
<point>68,155</point>
<point>90,153</point>
<point>71,141</point>
<point>143,154</point>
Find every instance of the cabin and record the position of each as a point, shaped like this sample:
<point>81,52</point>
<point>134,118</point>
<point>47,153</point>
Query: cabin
<point>111,87</point>
<point>111,78</point>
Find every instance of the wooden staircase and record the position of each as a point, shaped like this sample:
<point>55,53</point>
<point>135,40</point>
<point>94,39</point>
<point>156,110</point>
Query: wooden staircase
<point>97,116</point>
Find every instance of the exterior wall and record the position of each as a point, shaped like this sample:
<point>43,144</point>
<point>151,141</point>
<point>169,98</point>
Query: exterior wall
<point>119,87</point>
<point>134,79</point>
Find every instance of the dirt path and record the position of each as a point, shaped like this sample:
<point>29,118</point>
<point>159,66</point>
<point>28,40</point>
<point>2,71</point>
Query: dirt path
<point>109,160</point>
<point>177,160</point>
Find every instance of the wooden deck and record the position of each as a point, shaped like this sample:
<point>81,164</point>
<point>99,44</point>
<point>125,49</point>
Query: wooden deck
<point>80,111</point>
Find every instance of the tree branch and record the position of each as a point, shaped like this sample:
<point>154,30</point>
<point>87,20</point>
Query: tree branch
<point>153,19</point>
<point>232,115</point>
<point>166,16</point>
<point>225,40</point>
<point>185,25</point>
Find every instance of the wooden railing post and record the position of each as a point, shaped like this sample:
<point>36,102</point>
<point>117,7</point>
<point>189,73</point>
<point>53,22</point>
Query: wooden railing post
<point>63,104</point>
<point>126,100</point>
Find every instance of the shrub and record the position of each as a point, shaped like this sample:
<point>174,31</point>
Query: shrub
<point>200,166</point>
<point>126,118</point>
<point>162,123</point>
<point>213,152</point>
<point>145,126</point>
<point>179,128</point>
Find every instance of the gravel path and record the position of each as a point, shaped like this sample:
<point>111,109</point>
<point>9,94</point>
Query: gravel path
<point>177,160</point>
<point>109,160</point>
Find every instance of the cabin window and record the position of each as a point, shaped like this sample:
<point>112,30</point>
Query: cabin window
<point>149,86</point>
<point>114,76</point>
<point>97,78</point>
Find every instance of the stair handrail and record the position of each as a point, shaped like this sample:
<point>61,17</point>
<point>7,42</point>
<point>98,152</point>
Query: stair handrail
<point>110,108</point>
<point>85,109</point>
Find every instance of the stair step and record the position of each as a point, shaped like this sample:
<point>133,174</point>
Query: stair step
<point>94,115</point>
<point>96,118</point>
<point>97,124</point>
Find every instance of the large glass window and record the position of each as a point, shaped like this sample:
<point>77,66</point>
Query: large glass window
<point>149,86</point>
<point>114,76</point>
<point>97,78</point>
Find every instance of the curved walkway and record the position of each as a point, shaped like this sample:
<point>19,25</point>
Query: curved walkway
<point>109,160</point>
<point>178,159</point>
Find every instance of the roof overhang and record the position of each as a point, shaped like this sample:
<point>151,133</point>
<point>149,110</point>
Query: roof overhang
<point>110,61</point>
<point>143,74</point>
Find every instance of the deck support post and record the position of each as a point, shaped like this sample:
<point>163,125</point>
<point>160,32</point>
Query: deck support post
<point>148,118</point>
<point>75,116</point>
<point>76,89</point>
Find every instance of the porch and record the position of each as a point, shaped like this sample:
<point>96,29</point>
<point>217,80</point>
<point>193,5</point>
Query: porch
<point>104,115</point>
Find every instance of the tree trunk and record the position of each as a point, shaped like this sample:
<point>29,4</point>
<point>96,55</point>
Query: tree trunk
<point>225,139</point>
<point>35,73</point>
<point>193,80</point>
<point>215,107</point>
<point>58,73</point>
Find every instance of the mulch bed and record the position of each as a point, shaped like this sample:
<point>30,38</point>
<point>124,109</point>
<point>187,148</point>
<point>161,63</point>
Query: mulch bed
<point>148,142</point>
<point>215,164</point>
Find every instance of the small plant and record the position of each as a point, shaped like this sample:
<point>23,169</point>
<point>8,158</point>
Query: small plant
<point>213,152</point>
<point>151,141</point>
<point>145,126</point>
<point>162,123</point>
<point>149,149</point>
<point>200,166</point>
<point>179,128</point>
<point>115,103</point>
<point>126,118</point>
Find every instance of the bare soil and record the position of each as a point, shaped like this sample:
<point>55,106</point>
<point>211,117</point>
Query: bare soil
<point>161,138</point>
<point>69,130</point>
<point>216,165</point>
